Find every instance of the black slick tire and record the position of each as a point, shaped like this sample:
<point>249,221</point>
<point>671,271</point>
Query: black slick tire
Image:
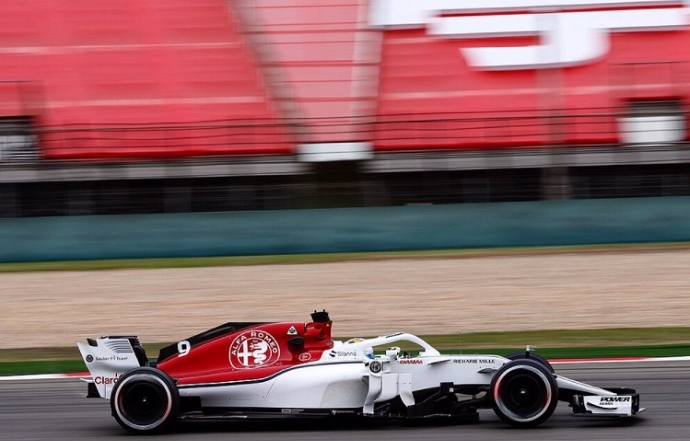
<point>145,400</point>
<point>523,393</point>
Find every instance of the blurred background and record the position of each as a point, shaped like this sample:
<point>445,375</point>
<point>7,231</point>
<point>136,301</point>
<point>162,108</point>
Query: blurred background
<point>179,106</point>
<point>186,128</point>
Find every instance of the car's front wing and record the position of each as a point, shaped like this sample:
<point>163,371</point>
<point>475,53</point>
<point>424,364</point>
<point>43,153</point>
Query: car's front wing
<point>591,400</point>
<point>619,405</point>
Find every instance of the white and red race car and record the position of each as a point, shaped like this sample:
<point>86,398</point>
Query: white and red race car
<point>296,370</point>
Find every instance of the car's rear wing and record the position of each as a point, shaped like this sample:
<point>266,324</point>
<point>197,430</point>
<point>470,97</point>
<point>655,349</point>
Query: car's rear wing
<point>107,358</point>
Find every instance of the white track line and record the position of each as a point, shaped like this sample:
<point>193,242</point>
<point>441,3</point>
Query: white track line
<point>42,377</point>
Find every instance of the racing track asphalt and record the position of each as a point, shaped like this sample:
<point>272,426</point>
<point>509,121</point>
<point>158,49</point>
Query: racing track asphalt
<point>57,410</point>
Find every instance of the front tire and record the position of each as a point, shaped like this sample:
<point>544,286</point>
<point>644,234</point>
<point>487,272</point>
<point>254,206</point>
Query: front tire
<point>524,393</point>
<point>532,356</point>
<point>145,400</point>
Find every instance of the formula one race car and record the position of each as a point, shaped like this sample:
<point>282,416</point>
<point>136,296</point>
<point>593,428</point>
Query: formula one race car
<point>296,370</point>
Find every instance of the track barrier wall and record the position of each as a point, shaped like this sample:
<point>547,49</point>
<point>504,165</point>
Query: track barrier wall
<point>423,227</point>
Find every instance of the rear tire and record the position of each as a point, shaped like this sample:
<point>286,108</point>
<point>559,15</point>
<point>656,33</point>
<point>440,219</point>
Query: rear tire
<point>524,393</point>
<point>145,400</point>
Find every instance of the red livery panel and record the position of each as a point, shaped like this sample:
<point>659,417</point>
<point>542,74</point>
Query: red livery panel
<point>250,352</point>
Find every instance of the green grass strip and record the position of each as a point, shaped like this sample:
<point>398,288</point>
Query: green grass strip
<point>197,262</point>
<point>41,367</point>
<point>565,338</point>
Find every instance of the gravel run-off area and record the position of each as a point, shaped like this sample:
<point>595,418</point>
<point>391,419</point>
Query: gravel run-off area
<point>470,293</point>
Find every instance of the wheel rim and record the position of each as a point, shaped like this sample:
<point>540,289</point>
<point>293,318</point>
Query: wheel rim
<point>523,393</point>
<point>143,402</point>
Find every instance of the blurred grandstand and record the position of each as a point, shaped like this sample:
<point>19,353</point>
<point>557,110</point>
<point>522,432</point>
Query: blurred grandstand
<point>155,106</point>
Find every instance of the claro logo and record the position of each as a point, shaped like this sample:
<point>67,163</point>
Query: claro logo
<point>106,380</point>
<point>570,32</point>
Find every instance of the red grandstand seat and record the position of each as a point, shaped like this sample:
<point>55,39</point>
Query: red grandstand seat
<point>134,78</point>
